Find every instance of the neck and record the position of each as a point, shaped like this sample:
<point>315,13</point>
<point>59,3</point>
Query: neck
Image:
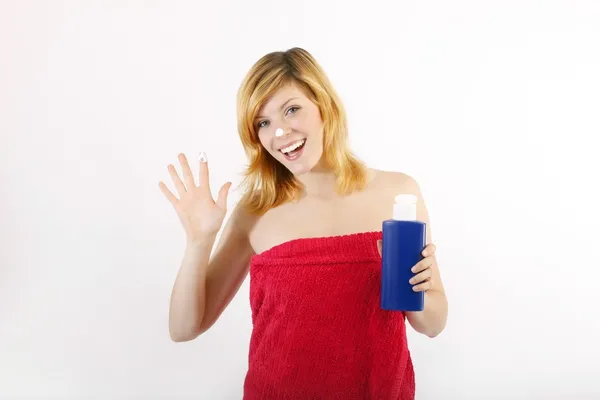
<point>319,182</point>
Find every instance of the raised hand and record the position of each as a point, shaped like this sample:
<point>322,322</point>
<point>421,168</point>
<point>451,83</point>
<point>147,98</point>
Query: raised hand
<point>200,215</point>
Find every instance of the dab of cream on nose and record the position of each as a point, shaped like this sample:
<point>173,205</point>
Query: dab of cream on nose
<point>279,132</point>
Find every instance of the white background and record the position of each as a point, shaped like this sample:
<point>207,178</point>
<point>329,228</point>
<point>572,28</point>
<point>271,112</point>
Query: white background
<point>491,105</point>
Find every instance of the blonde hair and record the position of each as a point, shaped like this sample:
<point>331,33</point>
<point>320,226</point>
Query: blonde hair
<point>269,183</point>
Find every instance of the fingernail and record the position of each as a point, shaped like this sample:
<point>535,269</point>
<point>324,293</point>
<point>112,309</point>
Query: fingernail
<point>202,157</point>
<point>413,269</point>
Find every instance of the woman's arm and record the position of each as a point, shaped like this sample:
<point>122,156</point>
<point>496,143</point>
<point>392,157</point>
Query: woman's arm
<point>205,286</point>
<point>432,320</point>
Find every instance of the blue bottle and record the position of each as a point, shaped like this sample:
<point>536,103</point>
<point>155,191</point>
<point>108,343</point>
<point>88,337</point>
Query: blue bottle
<point>404,239</point>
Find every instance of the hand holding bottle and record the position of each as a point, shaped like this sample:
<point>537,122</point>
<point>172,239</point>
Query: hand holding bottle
<point>421,270</point>
<point>200,215</point>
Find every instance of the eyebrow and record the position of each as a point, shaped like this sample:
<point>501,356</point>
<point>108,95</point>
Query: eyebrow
<point>283,105</point>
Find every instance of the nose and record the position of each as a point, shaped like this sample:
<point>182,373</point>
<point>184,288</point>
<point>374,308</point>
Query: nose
<point>282,131</point>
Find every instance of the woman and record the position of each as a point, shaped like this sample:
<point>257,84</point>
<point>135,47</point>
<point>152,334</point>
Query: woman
<point>308,230</point>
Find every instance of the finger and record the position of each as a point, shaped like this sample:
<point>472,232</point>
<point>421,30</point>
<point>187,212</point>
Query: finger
<point>429,250</point>
<point>203,181</point>
<point>422,286</point>
<point>422,265</point>
<point>222,198</point>
<point>421,277</point>
<point>170,196</point>
<point>188,177</point>
<point>176,180</point>
<point>380,247</point>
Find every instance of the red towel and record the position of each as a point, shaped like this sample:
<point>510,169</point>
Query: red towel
<point>318,328</point>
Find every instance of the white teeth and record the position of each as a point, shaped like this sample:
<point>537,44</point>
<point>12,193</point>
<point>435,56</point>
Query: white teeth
<point>293,146</point>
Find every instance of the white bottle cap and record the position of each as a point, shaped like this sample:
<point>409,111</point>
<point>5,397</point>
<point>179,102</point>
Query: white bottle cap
<point>405,207</point>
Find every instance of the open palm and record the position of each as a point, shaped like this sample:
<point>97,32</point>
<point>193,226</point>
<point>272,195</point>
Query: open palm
<point>198,212</point>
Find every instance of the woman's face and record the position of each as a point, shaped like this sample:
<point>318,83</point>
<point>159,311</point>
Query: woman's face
<point>290,128</point>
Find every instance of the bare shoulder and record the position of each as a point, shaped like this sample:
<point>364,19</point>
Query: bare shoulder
<point>243,219</point>
<point>236,230</point>
<point>390,183</point>
<point>397,182</point>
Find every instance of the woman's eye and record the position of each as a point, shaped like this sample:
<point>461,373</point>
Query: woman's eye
<point>262,124</point>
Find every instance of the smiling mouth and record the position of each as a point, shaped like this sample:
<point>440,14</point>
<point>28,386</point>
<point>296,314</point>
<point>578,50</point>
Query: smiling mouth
<point>294,150</point>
